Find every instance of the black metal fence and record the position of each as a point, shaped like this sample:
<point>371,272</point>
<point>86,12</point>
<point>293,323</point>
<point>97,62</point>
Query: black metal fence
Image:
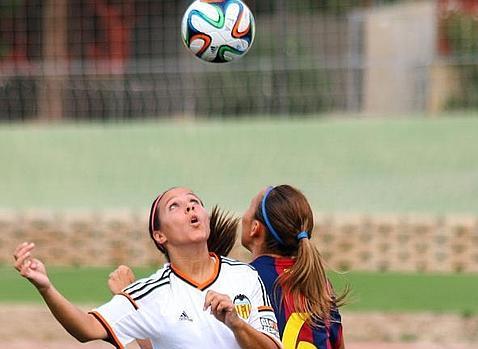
<point>112,60</point>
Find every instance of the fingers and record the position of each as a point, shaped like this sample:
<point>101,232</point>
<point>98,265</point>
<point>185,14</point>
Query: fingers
<point>127,272</point>
<point>34,264</point>
<point>122,272</point>
<point>20,249</point>
<point>21,260</point>
<point>208,299</point>
<point>221,307</point>
<point>25,268</point>
<point>219,303</point>
<point>26,265</point>
<point>22,256</point>
<point>31,268</point>
<point>120,278</point>
<point>124,269</point>
<point>224,306</point>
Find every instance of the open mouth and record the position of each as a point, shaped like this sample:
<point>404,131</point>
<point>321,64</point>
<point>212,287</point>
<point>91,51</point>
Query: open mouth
<point>194,220</point>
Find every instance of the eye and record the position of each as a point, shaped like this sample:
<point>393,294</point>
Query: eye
<point>172,206</point>
<point>196,201</point>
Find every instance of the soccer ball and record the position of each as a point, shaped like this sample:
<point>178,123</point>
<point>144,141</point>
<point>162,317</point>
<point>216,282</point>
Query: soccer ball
<point>218,31</point>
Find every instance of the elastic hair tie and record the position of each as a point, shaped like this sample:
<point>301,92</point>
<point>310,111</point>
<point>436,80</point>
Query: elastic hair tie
<point>266,219</point>
<point>302,235</point>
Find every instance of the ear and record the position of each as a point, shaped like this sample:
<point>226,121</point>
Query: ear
<point>159,237</point>
<point>257,230</point>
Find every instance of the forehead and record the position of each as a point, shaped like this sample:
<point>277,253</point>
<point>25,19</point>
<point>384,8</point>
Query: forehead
<point>176,193</point>
<point>257,199</point>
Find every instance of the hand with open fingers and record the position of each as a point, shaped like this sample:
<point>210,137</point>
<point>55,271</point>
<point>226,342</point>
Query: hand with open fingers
<point>120,278</point>
<point>29,267</point>
<point>222,308</point>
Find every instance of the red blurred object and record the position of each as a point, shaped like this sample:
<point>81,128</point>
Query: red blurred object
<point>445,9</point>
<point>117,21</point>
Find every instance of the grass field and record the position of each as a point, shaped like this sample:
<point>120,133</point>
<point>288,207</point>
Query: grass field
<point>371,291</point>
<point>370,165</point>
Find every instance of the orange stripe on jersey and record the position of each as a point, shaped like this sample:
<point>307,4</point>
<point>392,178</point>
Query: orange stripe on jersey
<point>130,299</point>
<point>111,335</point>
<point>265,308</point>
<point>208,282</point>
<point>212,1</point>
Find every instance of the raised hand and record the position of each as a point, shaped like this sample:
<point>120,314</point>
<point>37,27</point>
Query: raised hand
<point>120,278</point>
<point>117,281</point>
<point>222,308</point>
<point>31,268</point>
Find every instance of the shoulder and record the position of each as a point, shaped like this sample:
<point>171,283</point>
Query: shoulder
<point>262,261</point>
<point>232,268</point>
<point>244,277</point>
<point>142,288</point>
<point>234,264</point>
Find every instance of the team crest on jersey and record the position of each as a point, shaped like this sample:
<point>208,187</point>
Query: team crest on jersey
<point>243,306</point>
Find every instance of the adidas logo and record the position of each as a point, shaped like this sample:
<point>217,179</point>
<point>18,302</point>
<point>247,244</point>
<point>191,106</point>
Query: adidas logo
<point>184,317</point>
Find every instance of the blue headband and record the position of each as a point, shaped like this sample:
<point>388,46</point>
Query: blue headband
<point>266,219</point>
<point>302,235</point>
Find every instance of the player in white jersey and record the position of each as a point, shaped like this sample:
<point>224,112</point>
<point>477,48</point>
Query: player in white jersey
<point>169,305</point>
<point>198,300</point>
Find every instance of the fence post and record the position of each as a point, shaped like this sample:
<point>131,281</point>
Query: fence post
<point>50,99</point>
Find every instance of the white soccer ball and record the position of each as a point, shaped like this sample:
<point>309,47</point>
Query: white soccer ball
<point>218,31</point>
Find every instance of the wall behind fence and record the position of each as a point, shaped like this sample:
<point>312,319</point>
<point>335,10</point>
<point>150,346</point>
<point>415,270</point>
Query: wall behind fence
<point>348,242</point>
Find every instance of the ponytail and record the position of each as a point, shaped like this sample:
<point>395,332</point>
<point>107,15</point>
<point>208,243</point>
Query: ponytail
<point>308,287</point>
<point>223,228</point>
<point>288,220</point>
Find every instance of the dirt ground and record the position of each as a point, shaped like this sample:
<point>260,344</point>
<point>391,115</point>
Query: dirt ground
<point>33,327</point>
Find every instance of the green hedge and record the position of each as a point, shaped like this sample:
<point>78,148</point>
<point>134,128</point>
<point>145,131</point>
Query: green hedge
<point>460,31</point>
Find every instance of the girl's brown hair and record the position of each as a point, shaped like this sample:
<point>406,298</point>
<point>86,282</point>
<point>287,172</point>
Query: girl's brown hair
<point>286,213</point>
<point>222,226</point>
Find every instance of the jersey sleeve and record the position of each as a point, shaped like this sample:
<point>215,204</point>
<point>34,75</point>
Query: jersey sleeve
<point>262,316</point>
<point>335,327</point>
<point>122,321</point>
<point>335,330</point>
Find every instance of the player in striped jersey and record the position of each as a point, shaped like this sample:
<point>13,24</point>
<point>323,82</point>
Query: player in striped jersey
<point>308,315</point>
<point>194,301</point>
<point>276,229</point>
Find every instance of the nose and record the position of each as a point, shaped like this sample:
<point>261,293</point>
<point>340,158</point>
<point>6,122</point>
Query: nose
<point>190,207</point>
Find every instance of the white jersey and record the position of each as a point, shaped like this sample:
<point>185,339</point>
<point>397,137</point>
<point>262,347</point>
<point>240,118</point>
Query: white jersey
<point>168,307</point>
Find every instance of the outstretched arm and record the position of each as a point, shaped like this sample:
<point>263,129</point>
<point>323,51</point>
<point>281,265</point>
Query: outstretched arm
<point>246,335</point>
<point>84,327</point>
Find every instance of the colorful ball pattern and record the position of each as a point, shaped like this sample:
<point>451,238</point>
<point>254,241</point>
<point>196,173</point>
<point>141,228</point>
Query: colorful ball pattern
<point>218,31</point>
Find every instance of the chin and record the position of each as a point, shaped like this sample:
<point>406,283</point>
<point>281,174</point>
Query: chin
<point>197,238</point>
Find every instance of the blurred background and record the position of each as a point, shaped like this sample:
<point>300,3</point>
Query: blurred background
<point>122,60</point>
<point>368,106</point>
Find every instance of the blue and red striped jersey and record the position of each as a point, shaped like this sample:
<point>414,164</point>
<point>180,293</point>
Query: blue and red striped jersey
<point>292,328</point>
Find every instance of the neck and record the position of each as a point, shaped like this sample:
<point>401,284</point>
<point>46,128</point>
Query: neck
<point>194,262</point>
<point>256,252</point>
<point>258,249</point>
